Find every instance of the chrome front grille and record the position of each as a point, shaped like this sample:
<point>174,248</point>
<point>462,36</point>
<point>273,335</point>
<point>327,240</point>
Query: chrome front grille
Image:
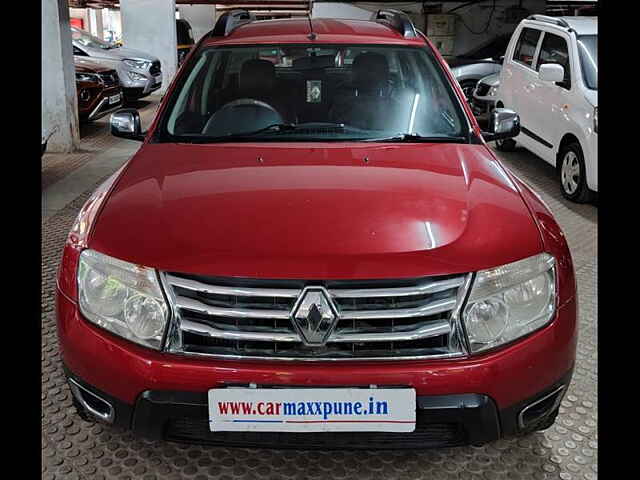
<point>109,78</point>
<point>482,89</point>
<point>373,319</point>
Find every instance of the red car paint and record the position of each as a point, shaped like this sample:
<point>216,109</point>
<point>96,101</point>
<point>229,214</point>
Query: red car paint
<point>317,211</point>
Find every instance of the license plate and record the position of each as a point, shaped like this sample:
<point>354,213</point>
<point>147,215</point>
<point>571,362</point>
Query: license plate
<point>158,79</point>
<point>114,99</point>
<point>312,409</point>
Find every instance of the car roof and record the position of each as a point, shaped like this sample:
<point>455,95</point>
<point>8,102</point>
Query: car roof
<point>581,25</point>
<point>327,30</point>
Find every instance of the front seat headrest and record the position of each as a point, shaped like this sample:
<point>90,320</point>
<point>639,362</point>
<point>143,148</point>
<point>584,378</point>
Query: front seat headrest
<point>257,75</point>
<point>370,72</point>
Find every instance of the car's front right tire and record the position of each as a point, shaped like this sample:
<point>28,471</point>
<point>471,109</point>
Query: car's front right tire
<point>506,145</point>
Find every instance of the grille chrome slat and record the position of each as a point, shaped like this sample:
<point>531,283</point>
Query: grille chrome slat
<point>430,287</point>
<point>200,307</point>
<point>372,319</point>
<point>213,332</point>
<point>196,286</point>
<point>439,306</point>
<point>433,329</point>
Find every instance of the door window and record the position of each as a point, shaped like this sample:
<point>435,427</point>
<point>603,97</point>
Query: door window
<point>554,50</point>
<point>526,46</point>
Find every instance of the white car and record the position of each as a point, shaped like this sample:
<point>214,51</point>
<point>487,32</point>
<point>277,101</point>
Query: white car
<point>550,77</point>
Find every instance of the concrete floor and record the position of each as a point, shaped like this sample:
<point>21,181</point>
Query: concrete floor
<point>75,449</point>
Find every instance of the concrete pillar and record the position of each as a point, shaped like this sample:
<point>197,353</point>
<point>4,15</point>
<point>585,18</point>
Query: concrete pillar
<point>95,22</point>
<point>150,26</point>
<point>200,17</point>
<point>59,101</point>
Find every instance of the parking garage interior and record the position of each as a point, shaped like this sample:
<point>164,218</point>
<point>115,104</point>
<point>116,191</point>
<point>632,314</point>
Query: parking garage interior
<point>79,154</point>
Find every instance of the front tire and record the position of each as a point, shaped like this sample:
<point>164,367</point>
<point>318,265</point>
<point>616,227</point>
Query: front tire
<point>573,174</point>
<point>506,145</point>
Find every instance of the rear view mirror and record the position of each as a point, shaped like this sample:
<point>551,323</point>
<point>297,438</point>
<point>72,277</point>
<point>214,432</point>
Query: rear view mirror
<point>551,72</point>
<point>125,123</point>
<point>503,123</point>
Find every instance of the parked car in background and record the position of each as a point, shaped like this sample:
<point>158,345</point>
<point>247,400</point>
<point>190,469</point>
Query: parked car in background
<point>139,73</point>
<point>470,67</point>
<point>303,249</point>
<point>550,76</point>
<point>185,39</point>
<point>98,87</point>
<point>484,96</point>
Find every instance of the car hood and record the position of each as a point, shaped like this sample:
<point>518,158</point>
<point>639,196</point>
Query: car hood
<point>84,65</point>
<point>491,80</point>
<point>119,53</point>
<point>318,211</point>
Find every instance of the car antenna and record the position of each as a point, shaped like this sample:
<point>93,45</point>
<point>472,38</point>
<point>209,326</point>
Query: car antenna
<point>312,35</point>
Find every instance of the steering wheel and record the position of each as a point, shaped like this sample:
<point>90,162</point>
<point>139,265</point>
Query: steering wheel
<point>241,115</point>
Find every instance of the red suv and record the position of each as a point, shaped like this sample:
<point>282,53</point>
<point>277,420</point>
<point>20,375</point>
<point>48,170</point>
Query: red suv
<point>315,247</point>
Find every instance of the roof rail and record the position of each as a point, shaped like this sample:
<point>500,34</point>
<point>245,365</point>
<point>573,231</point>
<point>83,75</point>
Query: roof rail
<point>554,20</point>
<point>397,20</point>
<point>231,20</point>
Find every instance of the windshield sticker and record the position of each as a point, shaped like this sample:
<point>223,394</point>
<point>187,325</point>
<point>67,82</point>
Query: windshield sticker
<point>314,91</point>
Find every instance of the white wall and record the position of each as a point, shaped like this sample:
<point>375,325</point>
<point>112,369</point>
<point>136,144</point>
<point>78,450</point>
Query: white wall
<point>200,17</point>
<point>58,89</point>
<point>112,21</point>
<point>150,26</point>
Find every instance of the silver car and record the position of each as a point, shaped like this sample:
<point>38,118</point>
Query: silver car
<point>484,96</point>
<point>139,72</point>
<point>470,67</point>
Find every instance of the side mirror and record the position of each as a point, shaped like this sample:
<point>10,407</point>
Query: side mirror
<point>503,123</point>
<point>551,72</point>
<point>125,123</point>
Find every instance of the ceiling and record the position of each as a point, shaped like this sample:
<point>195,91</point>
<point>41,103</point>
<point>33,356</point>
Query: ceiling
<point>292,4</point>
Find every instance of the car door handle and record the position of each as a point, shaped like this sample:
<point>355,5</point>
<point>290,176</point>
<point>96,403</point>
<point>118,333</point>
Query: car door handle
<point>529,87</point>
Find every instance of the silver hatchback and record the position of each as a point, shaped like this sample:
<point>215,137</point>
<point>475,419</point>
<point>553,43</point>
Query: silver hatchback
<point>140,73</point>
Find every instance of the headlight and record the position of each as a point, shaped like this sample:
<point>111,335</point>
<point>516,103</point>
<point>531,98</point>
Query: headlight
<point>87,77</point>
<point>136,76</point>
<point>510,301</point>
<point>121,297</point>
<point>493,90</point>
<point>595,119</point>
<point>140,64</point>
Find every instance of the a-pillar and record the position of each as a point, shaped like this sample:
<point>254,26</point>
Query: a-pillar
<point>150,26</point>
<point>59,101</point>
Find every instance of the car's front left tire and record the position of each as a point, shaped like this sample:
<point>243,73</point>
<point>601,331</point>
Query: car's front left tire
<point>573,174</point>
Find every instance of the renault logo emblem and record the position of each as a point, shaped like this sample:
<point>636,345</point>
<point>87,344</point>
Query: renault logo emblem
<point>314,316</point>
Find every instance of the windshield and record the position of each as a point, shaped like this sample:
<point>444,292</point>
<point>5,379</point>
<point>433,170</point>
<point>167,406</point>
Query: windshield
<point>303,93</point>
<point>588,48</point>
<point>87,40</point>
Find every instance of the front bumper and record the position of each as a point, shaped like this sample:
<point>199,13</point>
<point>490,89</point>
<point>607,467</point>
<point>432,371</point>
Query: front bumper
<point>103,106</point>
<point>161,395</point>
<point>134,89</point>
<point>441,420</point>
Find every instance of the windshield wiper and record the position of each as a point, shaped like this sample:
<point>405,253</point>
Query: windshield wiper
<point>274,128</point>
<point>415,138</point>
